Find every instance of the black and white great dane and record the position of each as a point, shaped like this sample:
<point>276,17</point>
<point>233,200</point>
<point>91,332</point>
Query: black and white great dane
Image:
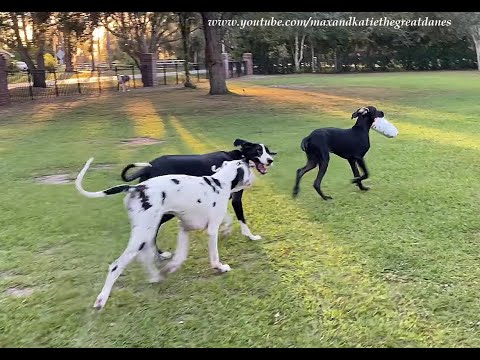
<point>200,203</point>
<point>201,165</point>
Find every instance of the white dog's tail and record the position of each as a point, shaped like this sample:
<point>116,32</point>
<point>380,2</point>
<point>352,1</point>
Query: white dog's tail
<point>96,194</point>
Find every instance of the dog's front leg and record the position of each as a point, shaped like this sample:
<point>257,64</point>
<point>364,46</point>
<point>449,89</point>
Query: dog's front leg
<point>213,249</point>
<point>356,175</point>
<point>358,180</point>
<point>238,207</point>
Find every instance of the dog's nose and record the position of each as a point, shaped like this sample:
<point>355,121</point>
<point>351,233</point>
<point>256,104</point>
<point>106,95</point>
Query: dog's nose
<point>270,161</point>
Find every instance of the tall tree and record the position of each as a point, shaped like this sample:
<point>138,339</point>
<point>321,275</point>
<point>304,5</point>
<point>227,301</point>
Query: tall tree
<point>186,21</point>
<point>14,33</point>
<point>142,32</point>
<point>213,54</point>
<point>75,28</point>
<point>469,23</point>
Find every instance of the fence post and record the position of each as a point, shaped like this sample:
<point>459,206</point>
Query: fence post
<point>226,64</point>
<point>164,75</point>
<point>4,93</point>
<point>248,59</point>
<point>238,64</point>
<point>98,79</point>
<point>30,83</point>
<point>55,82</point>
<point>116,76</point>
<point>133,76</point>
<point>176,71</point>
<point>78,82</point>
<point>198,73</point>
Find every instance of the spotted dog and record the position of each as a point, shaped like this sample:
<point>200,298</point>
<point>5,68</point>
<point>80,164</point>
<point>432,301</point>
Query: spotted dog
<point>124,82</point>
<point>199,202</point>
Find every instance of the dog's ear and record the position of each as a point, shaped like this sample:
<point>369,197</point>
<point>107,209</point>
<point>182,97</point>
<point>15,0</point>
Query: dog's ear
<point>270,152</point>
<point>361,111</point>
<point>240,142</point>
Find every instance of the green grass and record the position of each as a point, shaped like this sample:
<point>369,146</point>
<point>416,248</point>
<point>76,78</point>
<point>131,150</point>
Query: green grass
<point>396,266</point>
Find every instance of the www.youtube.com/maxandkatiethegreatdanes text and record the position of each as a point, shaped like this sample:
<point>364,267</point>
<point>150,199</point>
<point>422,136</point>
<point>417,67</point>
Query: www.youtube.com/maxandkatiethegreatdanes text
<point>351,21</point>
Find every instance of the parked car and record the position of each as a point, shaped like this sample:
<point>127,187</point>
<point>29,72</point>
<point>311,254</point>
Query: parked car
<point>21,65</point>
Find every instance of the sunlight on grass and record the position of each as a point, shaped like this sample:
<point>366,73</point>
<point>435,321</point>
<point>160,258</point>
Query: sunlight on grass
<point>439,136</point>
<point>321,284</point>
<point>393,267</point>
<point>196,145</point>
<point>333,105</point>
<point>146,120</point>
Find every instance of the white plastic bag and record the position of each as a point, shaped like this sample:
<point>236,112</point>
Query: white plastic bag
<point>384,127</point>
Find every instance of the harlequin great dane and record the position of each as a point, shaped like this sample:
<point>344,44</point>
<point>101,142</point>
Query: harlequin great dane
<point>199,202</point>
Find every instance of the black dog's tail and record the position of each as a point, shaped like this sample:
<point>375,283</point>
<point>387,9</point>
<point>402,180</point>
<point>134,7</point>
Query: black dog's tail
<point>113,190</point>
<point>137,174</point>
<point>305,143</point>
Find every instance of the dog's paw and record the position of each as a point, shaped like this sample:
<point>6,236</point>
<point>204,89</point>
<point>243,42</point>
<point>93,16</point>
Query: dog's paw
<point>226,230</point>
<point>156,278</point>
<point>165,255</point>
<point>326,197</point>
<point>255,237</point>
<point>99,303</point>
<point>170,267</point>
<point>364,188</point>
<point>222,267</point>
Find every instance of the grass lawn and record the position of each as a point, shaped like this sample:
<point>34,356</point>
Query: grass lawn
<point>396,266</point>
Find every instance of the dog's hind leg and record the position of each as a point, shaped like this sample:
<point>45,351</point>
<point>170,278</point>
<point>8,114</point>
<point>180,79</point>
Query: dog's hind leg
<point>356,175</point>
<point>311,163</point>
<point>162,255</point>
<point>139,237</point>
<point>318,181</point>
<point>148,256</point>
<point>227,224</point>
<point>181,252</point>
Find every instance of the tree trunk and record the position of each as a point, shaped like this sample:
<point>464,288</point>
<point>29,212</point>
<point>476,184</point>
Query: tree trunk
<point>335,60</point>
<point>68,50</point>
<point>109,55</point>
<point>39,76</point>
<point>313,55</point>
<point>477,49</point>
<point>475,34</point>
<point>23,50</point>
<point>295,55</point>
<point>298,52</point>
<point>213,56</point>
<point>185,30</point>
<point>92,55</point>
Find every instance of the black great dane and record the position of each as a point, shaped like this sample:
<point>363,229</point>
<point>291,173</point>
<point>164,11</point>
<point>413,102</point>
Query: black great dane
<point>203,165</point>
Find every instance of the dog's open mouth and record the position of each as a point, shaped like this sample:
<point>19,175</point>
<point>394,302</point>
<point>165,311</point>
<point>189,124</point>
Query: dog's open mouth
<point>262,169</point>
